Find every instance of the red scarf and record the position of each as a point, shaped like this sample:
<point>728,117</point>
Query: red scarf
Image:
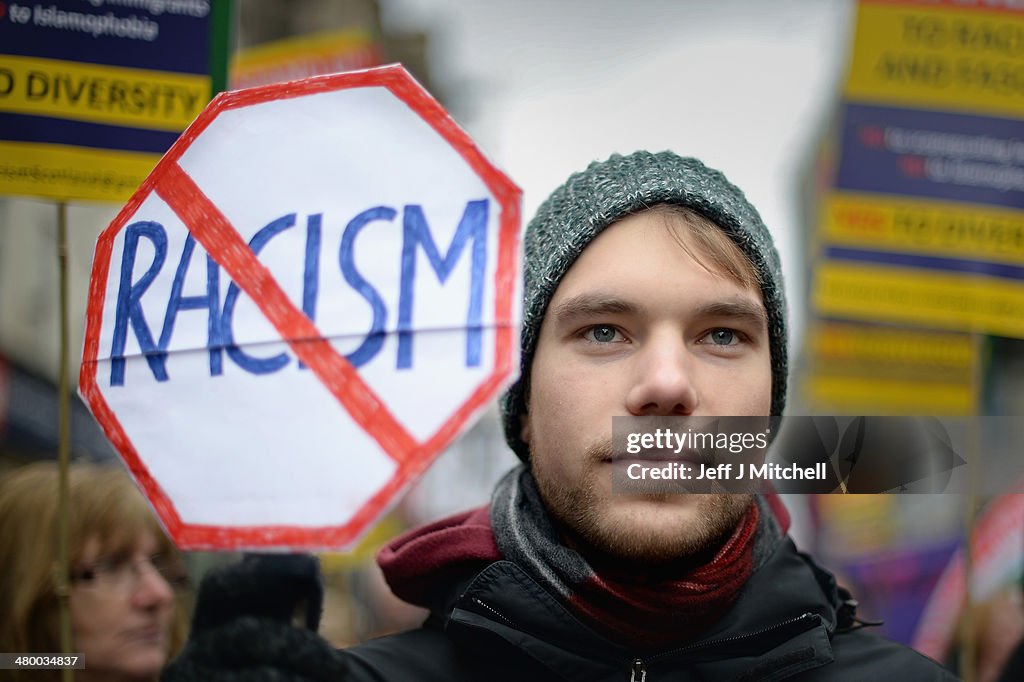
<point>418,563</point>
<point>423,563</point>
<point>660,614</point>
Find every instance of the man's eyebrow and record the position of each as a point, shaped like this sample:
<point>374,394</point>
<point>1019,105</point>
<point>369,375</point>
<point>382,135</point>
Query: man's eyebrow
<point>590,305</point>
<point>736,309</point>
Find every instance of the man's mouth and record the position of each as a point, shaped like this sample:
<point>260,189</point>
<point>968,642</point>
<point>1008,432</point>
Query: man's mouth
<point>665,456</point>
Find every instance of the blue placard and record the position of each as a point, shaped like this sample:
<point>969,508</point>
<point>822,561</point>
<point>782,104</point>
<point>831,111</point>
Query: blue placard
<point>163,35</point>
<point>938,155</point>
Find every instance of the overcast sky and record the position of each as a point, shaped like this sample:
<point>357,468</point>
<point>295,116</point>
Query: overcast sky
<point>545,87</point>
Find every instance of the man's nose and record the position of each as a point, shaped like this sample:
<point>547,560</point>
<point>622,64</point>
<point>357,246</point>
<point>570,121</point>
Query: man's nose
<point>663,384</point>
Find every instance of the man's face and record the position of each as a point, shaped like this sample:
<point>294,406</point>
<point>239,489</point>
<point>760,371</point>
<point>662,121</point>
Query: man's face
<point>638,327</point>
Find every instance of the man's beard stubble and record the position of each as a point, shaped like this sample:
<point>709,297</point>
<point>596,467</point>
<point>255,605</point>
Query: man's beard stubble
<point>586,527</point>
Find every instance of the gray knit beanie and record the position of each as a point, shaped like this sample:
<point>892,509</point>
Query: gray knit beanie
<point>606,191</point>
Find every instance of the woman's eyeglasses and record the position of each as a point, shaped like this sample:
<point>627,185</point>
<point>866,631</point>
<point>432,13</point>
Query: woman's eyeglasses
<point>123,573</point>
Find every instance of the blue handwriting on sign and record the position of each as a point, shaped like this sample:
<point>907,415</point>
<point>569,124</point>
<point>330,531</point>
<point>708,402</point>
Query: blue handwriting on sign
<point>416,235</point>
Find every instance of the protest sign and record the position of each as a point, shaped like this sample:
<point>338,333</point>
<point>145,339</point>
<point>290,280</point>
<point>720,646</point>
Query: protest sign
<point>306,301</point>
<point>92,93</point>
<point>923,223</point>
<point>303,56</point>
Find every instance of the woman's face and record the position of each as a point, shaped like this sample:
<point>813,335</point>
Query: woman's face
<point>121,611</point>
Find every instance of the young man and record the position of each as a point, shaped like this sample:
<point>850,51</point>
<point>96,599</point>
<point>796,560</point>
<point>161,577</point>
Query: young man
<point>652,289</point>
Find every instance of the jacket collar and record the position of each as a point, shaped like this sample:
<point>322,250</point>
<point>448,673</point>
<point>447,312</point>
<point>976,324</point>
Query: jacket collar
<point>781,624</point>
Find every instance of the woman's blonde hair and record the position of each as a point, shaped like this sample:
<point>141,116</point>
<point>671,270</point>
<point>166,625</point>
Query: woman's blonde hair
<point>104,504</point>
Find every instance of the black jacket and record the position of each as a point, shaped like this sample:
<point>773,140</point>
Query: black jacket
<point>789,623</point>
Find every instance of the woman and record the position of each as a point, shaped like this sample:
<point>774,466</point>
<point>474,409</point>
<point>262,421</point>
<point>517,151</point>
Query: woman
<point>125,617</point>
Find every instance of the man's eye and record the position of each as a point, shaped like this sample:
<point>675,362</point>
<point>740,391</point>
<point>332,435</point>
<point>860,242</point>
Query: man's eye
<point>723,337</point>
<point>602,333</point>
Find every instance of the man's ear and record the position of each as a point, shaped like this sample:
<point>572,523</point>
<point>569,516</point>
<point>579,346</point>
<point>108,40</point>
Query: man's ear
<point>524,428</point>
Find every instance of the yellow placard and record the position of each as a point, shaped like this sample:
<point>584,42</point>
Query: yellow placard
<point>308,55</point>
<point>62,172</point>
<point>938,56</point>
<point>881,396</point>
<point>930,227</point>
<point>839,342</point>
<point>915,296</point>
<point>879,369</point>
<point>111,95</point>
<point>365,550</point>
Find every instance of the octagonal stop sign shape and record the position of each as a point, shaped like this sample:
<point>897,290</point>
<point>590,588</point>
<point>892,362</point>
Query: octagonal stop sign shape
<point>307,300</point>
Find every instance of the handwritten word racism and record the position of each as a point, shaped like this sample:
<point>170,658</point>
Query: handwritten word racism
<point>149,240</point>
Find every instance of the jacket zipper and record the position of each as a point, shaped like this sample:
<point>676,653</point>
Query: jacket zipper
<point>734,638</point>
<point>507,621</point>
<point>638,670</point>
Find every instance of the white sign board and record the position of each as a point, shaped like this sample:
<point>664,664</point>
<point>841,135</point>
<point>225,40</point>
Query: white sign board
<point>310,297</point>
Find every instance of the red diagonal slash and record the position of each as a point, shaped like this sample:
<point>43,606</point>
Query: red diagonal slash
<point>213,230</point>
